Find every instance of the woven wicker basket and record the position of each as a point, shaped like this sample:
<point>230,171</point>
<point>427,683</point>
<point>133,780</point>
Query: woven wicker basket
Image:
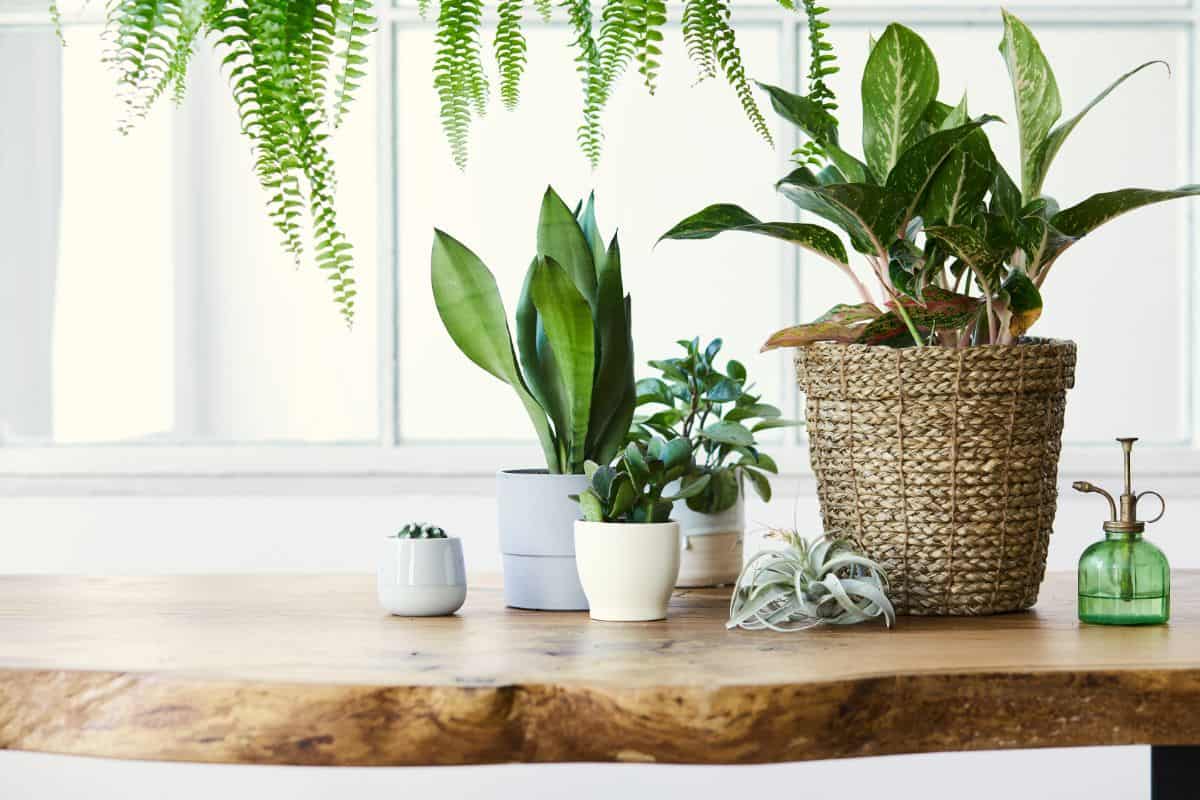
<point>942,462</point>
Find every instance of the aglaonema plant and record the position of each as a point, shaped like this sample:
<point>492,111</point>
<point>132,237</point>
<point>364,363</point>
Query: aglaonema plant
<point>631,489</point>
<point>959,251</point>
<point>572,366</point>
<point>719,413</point>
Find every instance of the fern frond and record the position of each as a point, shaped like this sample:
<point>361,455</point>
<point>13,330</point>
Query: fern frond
<point>699,35</point>
<point>57,22</point>
<point>648,49</point>
<point>544,8</point>
<point>423,7</point>
<point>354,23</point>
<point>510,51</point>
<point>618,40</point>
<point>588,66</point>
<point>821,57</point>
<point>723,42</point>
<point>458,74</point>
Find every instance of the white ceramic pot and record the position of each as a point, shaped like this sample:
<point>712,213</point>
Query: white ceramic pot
<point>712,544</point>
<point>536,518</point>
<point>628,569</point>
<point>422,577</point>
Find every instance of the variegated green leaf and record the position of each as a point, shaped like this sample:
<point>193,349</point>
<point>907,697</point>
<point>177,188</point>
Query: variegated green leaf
<point>899,82</point>
<point>1024,302</point>
<point>917,166</point>
<point>960,184</point>
<point>1049,147</point>
<point>968,245</point>
<point>819,125</point>
<point>724,217</point>
<point>1083,218</point>
<point>1035,94</point>
<point>869,214</point>
<point>842,323</point>
<point>941,309</point>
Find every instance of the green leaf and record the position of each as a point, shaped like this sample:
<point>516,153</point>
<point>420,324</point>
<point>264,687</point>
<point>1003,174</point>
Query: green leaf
<point>568,322</point>
<point>559,237</point>
<point>968,245</point>
<point>613,392</point>
<point>469,304</point>
<point>732,433</point>
<point>899,81</point>
<point>736,370</point>
<point>654,390</point>
<point>762,486</point>
<point>1006,197</point>
<point>537,359</point>
<point>624,496</point>
<point>960,184</point>
<point>690,489</point>
<point>677,452</point>
<point>820,126</point>
<point>636,465</point>
<point>941,309</point>
<point>1080,220</point>
<point>590,505</point>
<point>869,214</point>
<point>1025,302</point>
<point>1040,240</point>
<point>775,422</point>
<point>723,217</point>
<point>1044,154</point>
<point>760,461</point>
<point>916,169</point>
<point>762,410</point>
<point>591,232</point>
<point>842,323</point>
<point>1035,94</point>
<point>725,391</point>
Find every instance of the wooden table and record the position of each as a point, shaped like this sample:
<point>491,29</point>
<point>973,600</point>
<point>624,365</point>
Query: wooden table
<point>309,670</point>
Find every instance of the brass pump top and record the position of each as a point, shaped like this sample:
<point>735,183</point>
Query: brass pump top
<point>1127,521</point>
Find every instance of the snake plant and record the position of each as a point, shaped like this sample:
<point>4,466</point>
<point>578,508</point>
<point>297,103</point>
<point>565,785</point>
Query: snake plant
<point>959,251</point>
<point>575,371</point>
<point>420,530</point>
<point>632,489</point>
<point>823,582</point>
<point>293,67</point>
<point>716,411</point>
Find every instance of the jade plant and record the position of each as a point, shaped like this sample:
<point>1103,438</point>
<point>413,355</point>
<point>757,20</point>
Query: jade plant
<point>420,530</point>
<point>719,413</point>
<point>823,582</point>
<point>959,249</point>
<point>293,68</point>
<point>631,490</point>
<point>572,366</point>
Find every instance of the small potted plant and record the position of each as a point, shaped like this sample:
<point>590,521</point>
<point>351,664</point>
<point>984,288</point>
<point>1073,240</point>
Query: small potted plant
<point>720,414</point>
<point>934,424</point>
<point>626,545</point>
<point>571,368</point>
<point>421,573</point>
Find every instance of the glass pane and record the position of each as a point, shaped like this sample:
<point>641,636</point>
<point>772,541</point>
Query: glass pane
<point>147,298</point>
<point>665,157</point>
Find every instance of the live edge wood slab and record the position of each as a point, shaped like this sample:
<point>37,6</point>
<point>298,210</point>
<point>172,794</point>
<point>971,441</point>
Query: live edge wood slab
<point>308,670</point>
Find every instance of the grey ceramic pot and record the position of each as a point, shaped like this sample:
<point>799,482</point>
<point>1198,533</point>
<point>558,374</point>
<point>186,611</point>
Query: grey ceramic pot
<point>537,539</point>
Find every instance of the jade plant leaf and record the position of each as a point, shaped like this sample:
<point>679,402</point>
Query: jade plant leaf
<point>724,217</point>
<point>869,214</point>
<point>469,304</point>
<point>1083,218</point>
<point>1049,147</point>
<point>899,82</point>
<point>568,323</point>
<point>842,323</point>
<point>1035,94</point>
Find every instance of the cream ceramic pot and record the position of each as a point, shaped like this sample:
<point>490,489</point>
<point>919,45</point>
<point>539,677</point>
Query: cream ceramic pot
<point>627,569</point>
<point>422,577</point>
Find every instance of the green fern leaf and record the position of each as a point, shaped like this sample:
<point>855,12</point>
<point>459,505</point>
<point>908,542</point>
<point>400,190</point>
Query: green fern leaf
<point>699,35</point>
<point>588,66</point>
<point>820,57</point>
<point>544,8</point>
<point>510,51</point>
<point>458,74</point>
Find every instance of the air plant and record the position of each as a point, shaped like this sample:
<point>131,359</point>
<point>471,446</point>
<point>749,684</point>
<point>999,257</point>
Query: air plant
<point>824,582</point>
<point>420,530</point>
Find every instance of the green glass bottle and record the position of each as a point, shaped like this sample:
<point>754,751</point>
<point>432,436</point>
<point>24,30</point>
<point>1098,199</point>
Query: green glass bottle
<point>1124,579</point>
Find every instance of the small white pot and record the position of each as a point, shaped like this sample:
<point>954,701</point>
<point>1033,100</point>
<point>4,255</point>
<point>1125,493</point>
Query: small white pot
<point>627,569</point>
<point>422,577</point>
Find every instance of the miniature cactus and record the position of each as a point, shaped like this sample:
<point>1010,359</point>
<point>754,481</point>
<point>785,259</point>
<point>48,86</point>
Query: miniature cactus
<point>420,530</point>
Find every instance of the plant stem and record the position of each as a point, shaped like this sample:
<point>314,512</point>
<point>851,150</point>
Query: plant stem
<point>912,329</point>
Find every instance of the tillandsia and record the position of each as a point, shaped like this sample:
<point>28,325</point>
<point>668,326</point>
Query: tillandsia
<point>574,341</point>
<point>719,413</point>
<point>624,34</point>
<point>294,68</point>
<point>631,490</point>
<point>959,251</point>
<point>823,582</point>
<point>420,530</point>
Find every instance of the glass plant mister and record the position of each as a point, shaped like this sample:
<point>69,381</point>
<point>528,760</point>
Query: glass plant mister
<point>1124,580</point>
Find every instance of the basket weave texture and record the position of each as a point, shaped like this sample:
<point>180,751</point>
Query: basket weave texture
<point>942,463</point>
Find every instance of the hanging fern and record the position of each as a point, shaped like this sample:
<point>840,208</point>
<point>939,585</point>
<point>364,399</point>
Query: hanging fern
<point>278,55</point>
<point>588,64</point>
<point>699,34</point>
<point>458,74</point>
<point>649,44</point>
<point>730,60</point>
<point>510,51</point>
<point>820,57</point>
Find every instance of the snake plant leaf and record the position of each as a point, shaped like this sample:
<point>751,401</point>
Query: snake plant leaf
<point>820,126</point>
<point>537,360</point>
<point>591,231</point>
<point>1035,94</point>
<point>468,301</point>
<point>899,82</point>
<point>1049,147</point>
<point>842,323</point>
<point>1083,218</point>
<point>560,238</point>
<point>611,409</point>
<point>724,217</point>
<point>762,486</point>
<point>731,433</point>
<point>869,214</point>
<point>691,488</point>
<point>917,166</point>
<point>568,323</point>
<point>1024,302</point>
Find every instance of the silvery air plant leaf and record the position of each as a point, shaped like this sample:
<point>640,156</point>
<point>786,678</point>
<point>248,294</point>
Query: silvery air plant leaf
<point>823,582</point>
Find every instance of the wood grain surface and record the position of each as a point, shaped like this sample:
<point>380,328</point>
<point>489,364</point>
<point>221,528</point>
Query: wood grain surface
<point>309,670</point>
